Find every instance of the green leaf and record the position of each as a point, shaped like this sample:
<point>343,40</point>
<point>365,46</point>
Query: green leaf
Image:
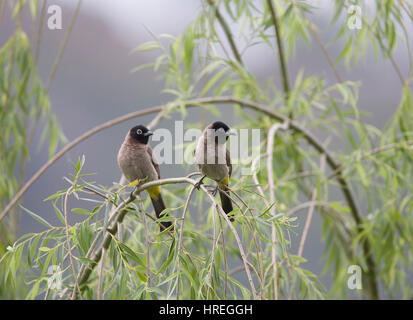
<point>81,211</point>
<point>171,255</point>
<point>213,80</point>
<point>37,217</point>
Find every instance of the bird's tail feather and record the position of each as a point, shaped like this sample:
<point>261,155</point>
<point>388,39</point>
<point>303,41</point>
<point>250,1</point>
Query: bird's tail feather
<point>226,202</point>
<point>159,206</point>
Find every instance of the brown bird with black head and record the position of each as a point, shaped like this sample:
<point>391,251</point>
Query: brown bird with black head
<point>214,160</point>
<point>136,161</point>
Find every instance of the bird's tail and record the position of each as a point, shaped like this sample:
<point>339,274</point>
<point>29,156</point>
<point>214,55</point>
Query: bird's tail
<point>226,202</point>
<point>158,206</point>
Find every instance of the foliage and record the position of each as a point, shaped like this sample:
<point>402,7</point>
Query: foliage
<point>24,107</point>
<point>373,167</point>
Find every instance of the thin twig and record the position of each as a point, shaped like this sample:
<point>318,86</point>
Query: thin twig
<point>307,223</point>
<point>270,150</point>
<point>99,295</point>
<point>40,30</point>
<point>281,56</point>
<point>257,244</point>
<point>148,248</point>
<point>323,48</point>
<point>310,211</point>
<point>227,32</point>
<point>255,177</point>
<point>215,240</point>
<point>181,236</point>
<point>308,204</point>
<point>224,255</point>
<point>69,247</point>
<point>62,47</point>
<point>2,8</point>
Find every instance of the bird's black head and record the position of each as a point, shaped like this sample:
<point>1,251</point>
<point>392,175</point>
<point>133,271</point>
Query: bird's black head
<point>220,125</point>
<point>222,131</point>
<point>140,133</point>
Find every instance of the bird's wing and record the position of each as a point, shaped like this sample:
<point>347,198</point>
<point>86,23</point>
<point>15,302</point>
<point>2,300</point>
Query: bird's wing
<point>154,163</point>
<point>229,164</point>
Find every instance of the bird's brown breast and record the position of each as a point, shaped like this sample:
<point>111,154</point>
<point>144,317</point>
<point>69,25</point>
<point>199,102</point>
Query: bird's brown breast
<point>135,162</point>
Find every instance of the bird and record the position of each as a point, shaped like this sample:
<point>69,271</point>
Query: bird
<point>136,161</point>
<point>214,160</point>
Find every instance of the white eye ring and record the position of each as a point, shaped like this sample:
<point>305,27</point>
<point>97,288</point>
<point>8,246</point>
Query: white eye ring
<point>139,131</point>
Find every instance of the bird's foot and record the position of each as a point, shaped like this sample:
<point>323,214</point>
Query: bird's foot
<point>199,183</point>
<point>215,191</point>
<point>132,194</point>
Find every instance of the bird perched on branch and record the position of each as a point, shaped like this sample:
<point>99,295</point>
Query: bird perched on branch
<point>136,161</point>
<point>214,160</point>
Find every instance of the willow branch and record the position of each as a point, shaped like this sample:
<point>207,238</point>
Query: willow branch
<point>310,211</point>
<point>2,9</point>
<point>255,177</point>
<point>69,247</point>
<point>270,151</point>
<point>323,48</point>
<point>227,31</point>
<point>40,30</point>
<point>281,55</point>
<point>181,236</point>
<point>63,46</point>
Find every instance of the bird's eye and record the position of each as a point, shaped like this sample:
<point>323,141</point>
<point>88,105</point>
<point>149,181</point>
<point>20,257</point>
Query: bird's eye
<point>139,131</point>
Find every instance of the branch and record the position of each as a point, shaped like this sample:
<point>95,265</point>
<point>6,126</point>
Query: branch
<point>255,177</point>
<point>181,236</point>
<point>40,30</point>
<point>2,8</point>
<point>270,151</point>
<point>69,247</point>
<point>63,46</point>
<point>310,211</point>
<point>227,32</point>
<point>280,50</point>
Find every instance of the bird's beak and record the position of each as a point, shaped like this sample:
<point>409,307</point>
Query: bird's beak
<point>231,133</point>
<point>147,134</point>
